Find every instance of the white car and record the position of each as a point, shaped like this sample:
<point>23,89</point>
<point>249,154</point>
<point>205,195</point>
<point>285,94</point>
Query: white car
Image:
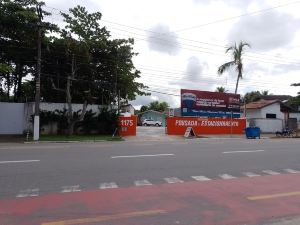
<point>150,122</point>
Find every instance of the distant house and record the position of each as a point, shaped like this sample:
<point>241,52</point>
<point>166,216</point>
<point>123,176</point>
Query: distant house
<point>173,112</point>
<point>154,115</point>
<point>271,115</point>
<point>127,109</point>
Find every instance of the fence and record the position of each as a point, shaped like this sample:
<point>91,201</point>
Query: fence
<point>267,125</point>
<point>12,120</point>
<point>15,118</point>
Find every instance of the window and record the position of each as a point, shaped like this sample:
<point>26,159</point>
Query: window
<point>271,116</point>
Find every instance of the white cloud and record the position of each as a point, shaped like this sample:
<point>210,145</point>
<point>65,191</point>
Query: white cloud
<point>194,77</point>
<point>266,31</point>
<point>275,32</point>
<point>234,3</point>
<point>173,101</point>
<point>195,68</point>
<point>163,40</point>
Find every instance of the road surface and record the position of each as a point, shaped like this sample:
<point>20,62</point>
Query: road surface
<point>194,181</point>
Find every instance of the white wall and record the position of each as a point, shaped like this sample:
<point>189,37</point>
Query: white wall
<point>274,109</point>
<point>296,115</point>
<point>261,113</point>
<point>267,125</point>
<point>15,117</point>
<point>11,118</point>
<point>47,106</point>
<point>253,113</point>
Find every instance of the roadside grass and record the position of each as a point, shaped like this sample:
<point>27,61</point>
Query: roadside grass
<point>79,138</point>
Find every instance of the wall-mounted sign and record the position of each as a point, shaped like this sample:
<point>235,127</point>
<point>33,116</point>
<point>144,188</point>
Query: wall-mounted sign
<point>202,126</point>
<point>209,104</point>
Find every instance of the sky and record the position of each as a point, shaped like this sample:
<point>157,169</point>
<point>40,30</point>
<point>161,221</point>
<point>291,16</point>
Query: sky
<point>181,44</point>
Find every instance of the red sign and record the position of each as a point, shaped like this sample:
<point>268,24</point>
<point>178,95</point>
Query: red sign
<point>205,103</point>
<point>178,125</point>
<point>127,126</point>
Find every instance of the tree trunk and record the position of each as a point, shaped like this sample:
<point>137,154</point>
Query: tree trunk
<point>15,89</point>
<point>70,110</point>
<point>70,119</point>
<point>19,83</point>
<point>237,82</point>
<point>73,122</point>
<point>8,85</point>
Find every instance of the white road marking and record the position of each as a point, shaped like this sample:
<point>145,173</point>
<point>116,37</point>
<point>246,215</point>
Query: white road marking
<point>173,180</point>
<point>249,174</point>
<point>138,156</point>
<point>291,171</point>
<point>270,172</point>
<point>108,185</point>
<point>226,176</point>
<point>68,189</point>
<point>246,151</point>
<point>28,193</point>
<point>142,183</point>
<point>20,161</point>
<point>201,178</point>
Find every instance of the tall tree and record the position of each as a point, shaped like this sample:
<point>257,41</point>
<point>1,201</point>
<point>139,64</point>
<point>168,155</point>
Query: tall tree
<point>144,108</point>
<point>265,92</point>
<point>296,85</point>
<point>295,100</point>
<point>85,65</point>
<point>251,96</point>
<point>18,40</point>
<point>221,89</point>
<point>237,61</point>
<point>156,106</point>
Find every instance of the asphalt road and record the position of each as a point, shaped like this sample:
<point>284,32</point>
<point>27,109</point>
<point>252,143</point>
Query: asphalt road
<point>37,169</point>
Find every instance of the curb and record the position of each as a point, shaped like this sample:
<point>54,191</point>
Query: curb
<point>87,141</point>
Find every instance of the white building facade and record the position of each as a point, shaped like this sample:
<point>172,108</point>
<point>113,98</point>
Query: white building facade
<point>269,115</point>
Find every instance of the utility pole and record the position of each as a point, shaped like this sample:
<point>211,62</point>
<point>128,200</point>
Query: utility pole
<point>119,102</point>
<point>36,125</point>
<point>231,117</point>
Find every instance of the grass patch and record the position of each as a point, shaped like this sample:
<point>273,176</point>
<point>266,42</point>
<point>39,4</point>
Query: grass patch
<point>79,138</point>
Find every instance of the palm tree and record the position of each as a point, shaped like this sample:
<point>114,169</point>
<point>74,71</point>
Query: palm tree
<point>236,53</point>
<point>264,92</point>
<point>221,89</point>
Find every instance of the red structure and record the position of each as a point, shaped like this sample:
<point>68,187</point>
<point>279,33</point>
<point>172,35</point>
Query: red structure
<point>127,126</point>
<point>178,125</point>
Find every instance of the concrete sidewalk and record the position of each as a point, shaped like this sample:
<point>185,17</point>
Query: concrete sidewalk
<point>291,221</point>
<point>158,134</point>
<point>12,138</point>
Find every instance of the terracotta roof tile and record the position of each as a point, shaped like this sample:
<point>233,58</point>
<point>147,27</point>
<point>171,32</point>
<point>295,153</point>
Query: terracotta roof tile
<point>260,104</point>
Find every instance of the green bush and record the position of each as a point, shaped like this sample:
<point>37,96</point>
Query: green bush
<point>107,121</point>
<point>104,123</point>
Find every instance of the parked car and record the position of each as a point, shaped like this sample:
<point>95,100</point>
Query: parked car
<point>150,122</point>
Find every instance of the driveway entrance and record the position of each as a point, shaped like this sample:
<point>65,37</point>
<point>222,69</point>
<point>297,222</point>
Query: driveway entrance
<point>151,134</point>
<point>150,131</point>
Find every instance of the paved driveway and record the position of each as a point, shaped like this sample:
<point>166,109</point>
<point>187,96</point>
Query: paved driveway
<point>152,134</point>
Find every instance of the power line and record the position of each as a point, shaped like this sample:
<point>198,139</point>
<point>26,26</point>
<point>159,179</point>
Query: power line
<point>186,75</point>
<point>218,52</point>
<point>190,40</point>
<point>228,83</point>
<point>223,46</point>
<point>172,77</point>
<point>245,83</point>
<point>159,92</point>
<point>235,17</point>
